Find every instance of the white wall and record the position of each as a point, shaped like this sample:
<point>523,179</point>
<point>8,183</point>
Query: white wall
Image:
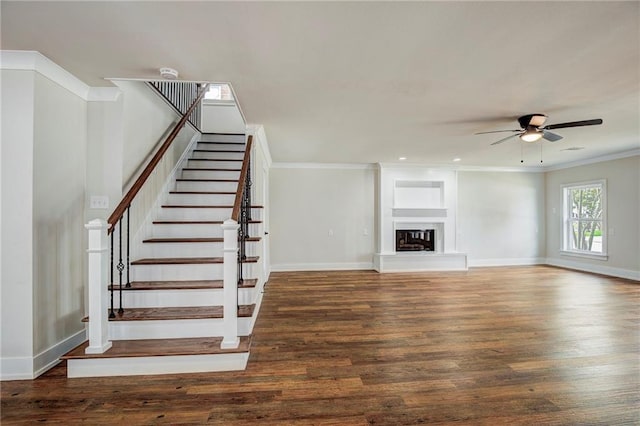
<point>146,119</point>
<point>60,139</point>
<point>306,204</point>
<point>16,220</point>
<point>501,217</point>
<point>221,118</point>
<point>623,215</point>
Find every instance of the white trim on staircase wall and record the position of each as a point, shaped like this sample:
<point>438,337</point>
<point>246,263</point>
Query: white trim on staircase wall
<point>28,368</point>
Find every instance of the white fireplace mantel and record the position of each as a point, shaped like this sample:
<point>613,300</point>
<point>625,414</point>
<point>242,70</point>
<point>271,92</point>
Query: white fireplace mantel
<point>417,198</point>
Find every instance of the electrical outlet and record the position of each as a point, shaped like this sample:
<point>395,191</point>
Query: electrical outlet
<point>99,202</point>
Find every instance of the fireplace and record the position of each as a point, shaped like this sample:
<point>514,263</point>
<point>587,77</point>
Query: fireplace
<point>415,239</point>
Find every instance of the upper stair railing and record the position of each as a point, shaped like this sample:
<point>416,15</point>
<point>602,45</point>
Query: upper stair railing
<point>182,96</point>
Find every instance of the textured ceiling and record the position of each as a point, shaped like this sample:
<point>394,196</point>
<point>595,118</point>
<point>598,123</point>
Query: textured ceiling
<point>363,82</point>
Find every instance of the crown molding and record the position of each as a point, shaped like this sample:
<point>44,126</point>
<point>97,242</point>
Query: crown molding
<point>600,159</point>
<point>30,60</point>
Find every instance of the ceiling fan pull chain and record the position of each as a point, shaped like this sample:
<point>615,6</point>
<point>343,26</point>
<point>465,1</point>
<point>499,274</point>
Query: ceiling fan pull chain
<point>521,155</point>
<point>540,152</point>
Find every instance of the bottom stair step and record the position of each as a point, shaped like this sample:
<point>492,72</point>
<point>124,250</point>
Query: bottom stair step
<point>158,356</point>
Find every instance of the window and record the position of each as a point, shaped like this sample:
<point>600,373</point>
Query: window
<point>218,92</point>
<point>585,218</point>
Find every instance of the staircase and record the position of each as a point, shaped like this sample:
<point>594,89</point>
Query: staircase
<point>172,320</point>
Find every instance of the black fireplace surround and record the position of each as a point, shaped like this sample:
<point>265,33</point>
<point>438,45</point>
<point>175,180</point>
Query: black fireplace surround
<point>415,240</point>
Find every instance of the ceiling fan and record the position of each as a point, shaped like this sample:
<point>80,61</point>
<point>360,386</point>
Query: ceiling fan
<point>533,129</point>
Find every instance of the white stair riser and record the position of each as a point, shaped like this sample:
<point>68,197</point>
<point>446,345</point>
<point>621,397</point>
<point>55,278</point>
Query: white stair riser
<point>198,230</point>
<point>181,298</point>
<point>206,186</point>
<point>214,164</point>
<point>223,138</point>
<point>199,214</point>
<point>201,199</point>
<point>194,214</point>
<point>210,174</point>
<point>177,364</point>
<point>221,145</point>
<point>174,329</point>
<point>216,155</point>
<point>207,271</point>
<point>189,249</point>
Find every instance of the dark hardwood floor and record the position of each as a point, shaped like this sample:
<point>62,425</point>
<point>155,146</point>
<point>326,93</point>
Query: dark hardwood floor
<point>518,345</point>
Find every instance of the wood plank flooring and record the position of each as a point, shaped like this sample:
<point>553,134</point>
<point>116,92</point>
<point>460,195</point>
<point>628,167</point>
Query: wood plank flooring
<point>518,345</point>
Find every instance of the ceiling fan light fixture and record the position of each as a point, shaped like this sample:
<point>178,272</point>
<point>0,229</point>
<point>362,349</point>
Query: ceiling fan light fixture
<point>531,135</point>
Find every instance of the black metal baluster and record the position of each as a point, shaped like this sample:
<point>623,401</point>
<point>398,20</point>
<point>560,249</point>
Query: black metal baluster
<point>128,261</point>
<point>111,313</point>
<point>248,187</point>
<point>120,264</point>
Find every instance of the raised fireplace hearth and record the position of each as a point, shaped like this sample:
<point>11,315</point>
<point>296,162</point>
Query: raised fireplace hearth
<point>415,240</point>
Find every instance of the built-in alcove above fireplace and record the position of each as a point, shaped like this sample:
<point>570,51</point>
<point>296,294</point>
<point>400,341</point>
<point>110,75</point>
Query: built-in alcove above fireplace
<point>417,226</point>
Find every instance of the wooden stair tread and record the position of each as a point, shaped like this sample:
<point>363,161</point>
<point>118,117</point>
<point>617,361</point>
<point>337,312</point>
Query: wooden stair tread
<point>186,260</point>
<point>184,285</point>
<point>194,222</point>
<point>220,150</point>
<point>214,159</point>
<point>202,206</point>
<point>195,169</point>
<point>193,240</point>
<point>206,180</point>
<point>224,134</point>
<point>161,347</point>
<point>203,192</point>
<point>176,313</point>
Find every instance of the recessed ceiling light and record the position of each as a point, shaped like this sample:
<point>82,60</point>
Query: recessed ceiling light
<point>457,159</point>
<point>402,158</point>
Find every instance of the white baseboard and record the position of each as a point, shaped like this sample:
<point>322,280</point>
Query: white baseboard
<point>15,368</point>
<point>28,368</point>
<point>290,267</point>
<point>596,269</point>
<point>520,261</point>
<point>48,358</point>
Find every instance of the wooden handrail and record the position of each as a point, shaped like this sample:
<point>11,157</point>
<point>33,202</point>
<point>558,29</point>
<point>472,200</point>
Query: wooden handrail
<point>131,194</point>
<point>235,214</point>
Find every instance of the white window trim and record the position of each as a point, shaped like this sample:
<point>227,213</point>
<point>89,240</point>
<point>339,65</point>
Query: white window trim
<point>565,229</point>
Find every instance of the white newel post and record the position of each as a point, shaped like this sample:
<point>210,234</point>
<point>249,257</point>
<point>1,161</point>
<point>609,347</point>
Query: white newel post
<point>230,339</point>
<point>98,287</point>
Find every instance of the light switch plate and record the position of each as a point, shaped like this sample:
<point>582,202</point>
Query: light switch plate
<point>99,202</point>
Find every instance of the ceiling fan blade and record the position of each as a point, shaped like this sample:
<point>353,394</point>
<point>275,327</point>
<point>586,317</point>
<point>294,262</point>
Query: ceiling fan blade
<point>505,139</point>
<point>497,131</point>
<point>551,137</point>
<point>593,122</point>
